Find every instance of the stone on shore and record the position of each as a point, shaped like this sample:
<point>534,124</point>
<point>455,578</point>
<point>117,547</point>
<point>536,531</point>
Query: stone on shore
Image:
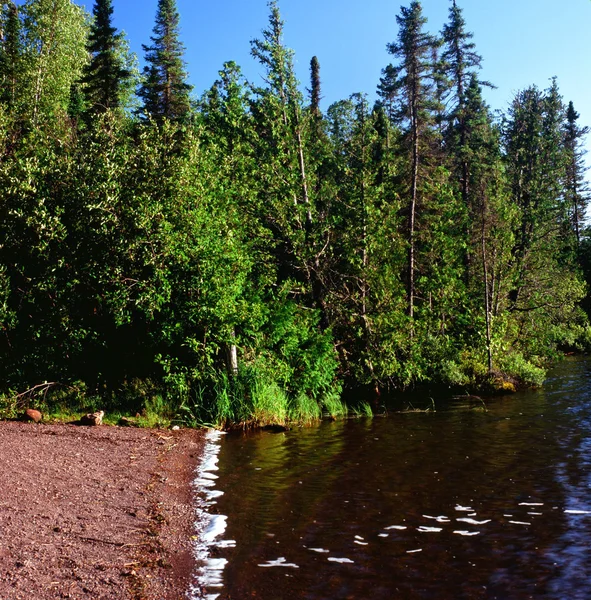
<point>93,419</point>
<point>32,415</point>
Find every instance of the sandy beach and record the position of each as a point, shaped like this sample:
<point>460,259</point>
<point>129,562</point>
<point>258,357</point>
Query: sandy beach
<point>96,512</point>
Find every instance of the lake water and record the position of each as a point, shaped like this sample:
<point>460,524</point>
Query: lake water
<point>460,503</point>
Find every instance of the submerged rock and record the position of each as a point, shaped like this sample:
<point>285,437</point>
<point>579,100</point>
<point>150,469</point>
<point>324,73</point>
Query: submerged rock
<point>274,428</point>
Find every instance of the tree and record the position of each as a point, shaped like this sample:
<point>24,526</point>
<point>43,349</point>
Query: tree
<point>576,187</point>
<point>460,61</point>
<point>279,121</point>
<point>314,90</point>
<point>165,92</point>
<point>10,54</point>
<point>55,33</point>
<point>410,83</point>
<point>105,75</point>
<point>546,287</point>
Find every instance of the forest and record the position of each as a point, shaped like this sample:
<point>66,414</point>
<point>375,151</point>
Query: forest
<point>245,257</point>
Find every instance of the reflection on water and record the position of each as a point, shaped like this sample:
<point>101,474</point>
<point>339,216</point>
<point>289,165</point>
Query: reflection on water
<point>459,503</point>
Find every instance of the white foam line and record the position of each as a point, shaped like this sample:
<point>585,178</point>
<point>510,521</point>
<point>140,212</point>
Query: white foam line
<point>342,561</point>
<point>319,550</point>
<point>398,527</point>
<point>209,576</point>
<point>531,504</point>
<point>279,562</point>
<point>461,508</point>
<point>414,551</point>
<point>440,519</point>
<point>577,512</point>
<point>424,529</point>
<point>536,514</point>
<point>467,533</point>
<point>214,529</point>
<point>360,543</point>
<point>383,535</point>
<point>519,523</point>
<point>210,463</point>
<point>473,521</point>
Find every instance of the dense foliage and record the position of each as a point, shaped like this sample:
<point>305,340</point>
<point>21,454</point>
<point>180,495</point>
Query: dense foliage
<point>245,257</point>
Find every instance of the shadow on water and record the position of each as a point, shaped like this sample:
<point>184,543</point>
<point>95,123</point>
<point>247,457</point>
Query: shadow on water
<point>454,503</point>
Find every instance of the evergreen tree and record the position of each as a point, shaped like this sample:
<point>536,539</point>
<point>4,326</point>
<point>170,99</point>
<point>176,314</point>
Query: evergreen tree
<point>545,286</point>
<point>165,92</point>
<point>278,114</point>
<point>577,194</point>
<point>410,83</point>
<point>315,86</point>
<point>490,222</point>
<point>104,76</point>
<point>460,62</point>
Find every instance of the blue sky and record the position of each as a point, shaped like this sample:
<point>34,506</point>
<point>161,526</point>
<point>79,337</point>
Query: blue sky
<point>522,42</point>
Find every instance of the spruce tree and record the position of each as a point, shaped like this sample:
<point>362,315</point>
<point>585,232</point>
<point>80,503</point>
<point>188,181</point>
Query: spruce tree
<point>546,284</point>
<point>315,87</point>
<point>409,85</point>
<point>165,92</point>
<point>460,62</point>
<point>105,75</point>
<point>576,187</point>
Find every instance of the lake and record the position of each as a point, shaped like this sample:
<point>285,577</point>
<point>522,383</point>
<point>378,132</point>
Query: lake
<point>467,501</point>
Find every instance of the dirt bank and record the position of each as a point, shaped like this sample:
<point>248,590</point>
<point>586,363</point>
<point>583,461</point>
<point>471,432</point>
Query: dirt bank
<point>95,512</point>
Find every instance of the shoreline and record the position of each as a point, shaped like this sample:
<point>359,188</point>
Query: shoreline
<point>97,512</point>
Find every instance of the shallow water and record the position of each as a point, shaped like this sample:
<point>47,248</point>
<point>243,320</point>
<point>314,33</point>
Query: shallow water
<point>459,503</point>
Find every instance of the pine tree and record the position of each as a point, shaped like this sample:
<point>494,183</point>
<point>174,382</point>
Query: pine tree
<point>315,87</point>
<point>488,225</point>
<point>410,85</point>
<point>546,287</point>
<point>165,92</point>
<point>460,62</point>
<point>577,194</point>
<point>104,76</point>
<point>279,117</point>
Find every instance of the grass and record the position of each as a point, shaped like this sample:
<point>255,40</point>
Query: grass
<point>246,401</point>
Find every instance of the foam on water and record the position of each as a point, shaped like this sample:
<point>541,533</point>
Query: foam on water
<point>210,527</point>
<point>279,562</point>
<point>342,561</point>
<point>440,519</point>
<point>473,521</point>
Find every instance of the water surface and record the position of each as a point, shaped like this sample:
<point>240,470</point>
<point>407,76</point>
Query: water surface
<point>457,503</point>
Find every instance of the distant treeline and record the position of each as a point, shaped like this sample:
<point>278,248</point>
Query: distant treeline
<point>244,256</point>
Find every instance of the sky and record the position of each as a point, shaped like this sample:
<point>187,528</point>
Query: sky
<point>522,42</point>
